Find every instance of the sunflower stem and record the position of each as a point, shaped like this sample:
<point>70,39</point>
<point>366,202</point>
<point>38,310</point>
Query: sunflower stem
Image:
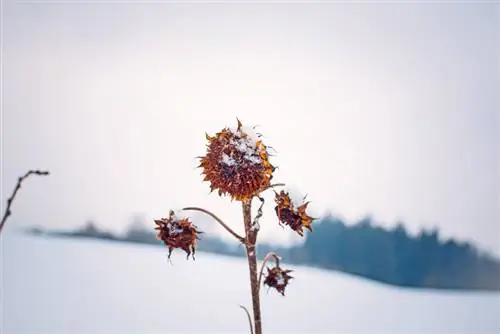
<point>249,318</point>
<point>251,238</point>
<point>273,186</point>
<point>20,180</point>
<point>217,219</point>
<point>269,256</point>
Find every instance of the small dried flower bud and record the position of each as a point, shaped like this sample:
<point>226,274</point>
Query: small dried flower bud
<point>177,232</point>
<point>278,278</point>
<point>292,212</point>
<point>237,163</point>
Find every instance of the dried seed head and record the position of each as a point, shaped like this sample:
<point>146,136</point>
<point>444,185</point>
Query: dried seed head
<point>292,213</point>
<point>277,278</point>
<point>237,163</point>
<point>177,232</point>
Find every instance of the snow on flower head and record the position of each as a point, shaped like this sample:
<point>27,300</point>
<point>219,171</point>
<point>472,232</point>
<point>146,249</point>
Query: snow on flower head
<point>296,197</point>
<point>237,163</point>
<point>179,214</point>
<point>246,131</point>
<point>177,231</point>
<point>291,210</point>
<point>277,278</point>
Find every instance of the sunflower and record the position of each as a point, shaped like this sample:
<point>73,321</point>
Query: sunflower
<point>177,232</point>
<point>237,163</point>
<point>292,213</point>
<point>277,278</point>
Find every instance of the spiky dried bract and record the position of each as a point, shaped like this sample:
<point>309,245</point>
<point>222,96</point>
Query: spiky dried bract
<point>237,163</point>
<point>277,278</point>
<point>292,214</point>
<point>177,232</point>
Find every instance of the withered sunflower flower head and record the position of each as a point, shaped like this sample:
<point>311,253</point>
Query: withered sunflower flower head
<point>277,278</point>
<point>292,212</point>
<point>177,232</point>
<point>237,163</point>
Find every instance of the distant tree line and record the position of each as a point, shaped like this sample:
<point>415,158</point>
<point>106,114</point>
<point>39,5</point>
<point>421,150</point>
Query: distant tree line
<point>391,256</point>
<point>395,257</point>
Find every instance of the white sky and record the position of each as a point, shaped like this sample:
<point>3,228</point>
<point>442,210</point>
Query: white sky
<point>387,109</point>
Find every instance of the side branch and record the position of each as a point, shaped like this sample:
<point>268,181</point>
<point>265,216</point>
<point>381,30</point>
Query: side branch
<point>249,318</point>
<point>269,256</point>
<point>217,219</point>
<point>273,186</point>
<point>20,180</point>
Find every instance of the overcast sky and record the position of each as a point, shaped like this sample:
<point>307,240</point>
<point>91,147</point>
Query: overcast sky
<point>383,109</point>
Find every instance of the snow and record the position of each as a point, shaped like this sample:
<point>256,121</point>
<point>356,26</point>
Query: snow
<point>179,215</point>
<point>247,145</point>
<point>175,229</point>
<point>227,160</point>
<point>280,280</point>
<point>59,286</point>
<point>252,136</point>
<point>253,159</point>
<point>244,146</point>
<point>296,196</point>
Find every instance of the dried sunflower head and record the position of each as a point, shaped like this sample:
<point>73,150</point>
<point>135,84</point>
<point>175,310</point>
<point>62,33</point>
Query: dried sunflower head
<point>277,278</point>
<point>177,232</point>
<point>292,212</point>
<point>237,163</point>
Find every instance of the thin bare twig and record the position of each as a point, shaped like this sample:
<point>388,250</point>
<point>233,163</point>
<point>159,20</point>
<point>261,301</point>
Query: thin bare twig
<point>249,318</point>
<point>255,223</point>
<point>20,180</point>
<point>269,256</point>
<point>236,235</point>
<point>273,186</point>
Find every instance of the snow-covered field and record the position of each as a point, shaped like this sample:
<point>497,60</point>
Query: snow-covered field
<point>85,286</point>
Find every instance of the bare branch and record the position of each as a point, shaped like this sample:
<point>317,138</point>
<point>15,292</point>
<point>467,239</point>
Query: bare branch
<point>249,318</point>
<point>217,219</point>
<point>269,256</point>
<point>20,180</point>
<point>273,186</point>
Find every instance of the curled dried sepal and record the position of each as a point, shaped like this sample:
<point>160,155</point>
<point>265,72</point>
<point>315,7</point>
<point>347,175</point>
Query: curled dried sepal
<point>177,232</point>
<point>237,163</point>
<point>291,213</point>
<point>277,278</point>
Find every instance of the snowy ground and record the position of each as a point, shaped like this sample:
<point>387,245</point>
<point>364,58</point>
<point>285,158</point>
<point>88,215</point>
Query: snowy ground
<point>84,286</point>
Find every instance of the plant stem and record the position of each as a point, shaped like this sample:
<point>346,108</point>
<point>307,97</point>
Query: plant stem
<point>251,238</point>
<point>273,186</point>
<point>217,219</point>
<point>249,318</point>
<point>20,180</point>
